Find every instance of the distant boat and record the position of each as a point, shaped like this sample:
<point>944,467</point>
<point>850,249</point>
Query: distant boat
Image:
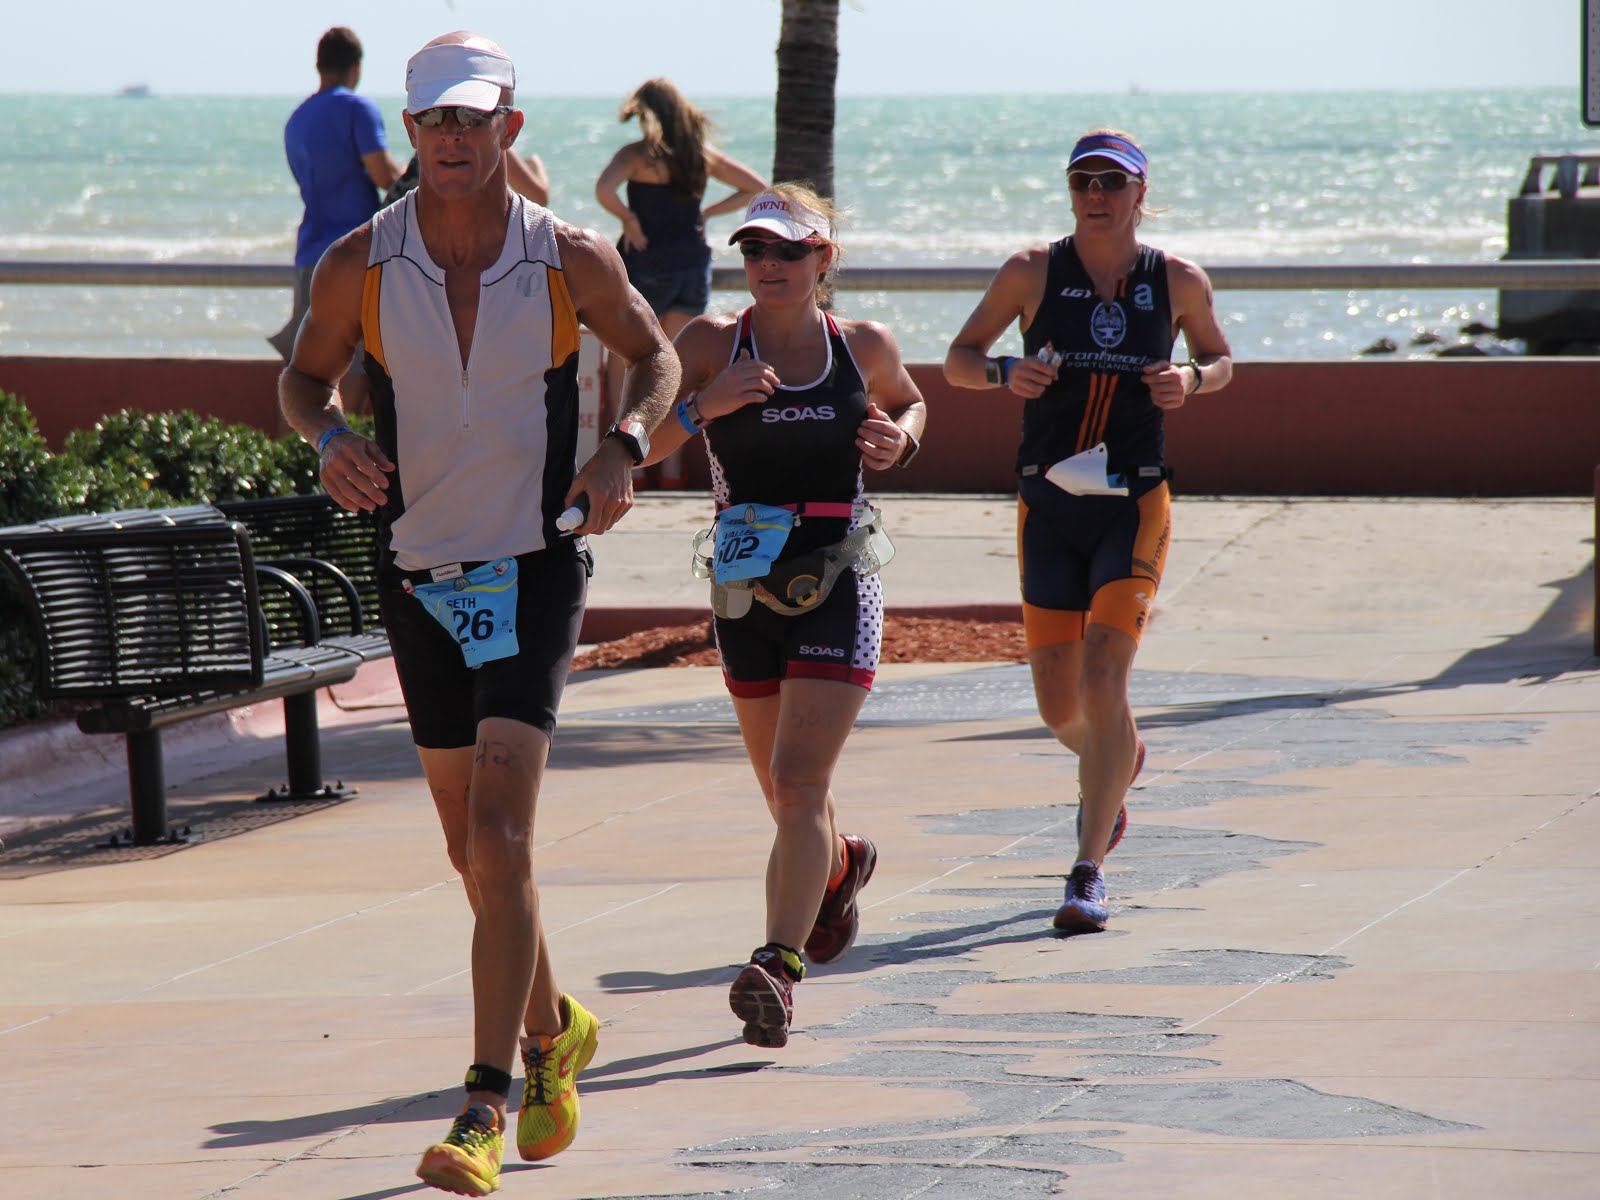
<point>136,91</point>
<point>1138,89</point>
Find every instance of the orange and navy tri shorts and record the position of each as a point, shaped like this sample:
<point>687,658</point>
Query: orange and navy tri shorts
<point>1089,560</point>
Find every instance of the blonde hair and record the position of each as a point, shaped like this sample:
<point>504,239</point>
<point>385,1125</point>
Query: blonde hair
<point>801,194</point>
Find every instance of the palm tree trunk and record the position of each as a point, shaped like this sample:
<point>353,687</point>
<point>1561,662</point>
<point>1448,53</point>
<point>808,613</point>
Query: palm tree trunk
<point>808,67</point>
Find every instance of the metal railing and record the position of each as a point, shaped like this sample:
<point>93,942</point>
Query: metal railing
<point>1506,275</point>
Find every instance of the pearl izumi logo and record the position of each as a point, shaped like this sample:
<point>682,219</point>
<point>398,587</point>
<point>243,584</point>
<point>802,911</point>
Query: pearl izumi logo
<point>1108,325</point>
<point>822,412</point>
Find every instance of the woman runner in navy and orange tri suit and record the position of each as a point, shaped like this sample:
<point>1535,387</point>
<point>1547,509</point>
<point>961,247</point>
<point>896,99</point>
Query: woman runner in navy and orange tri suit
<point>1099,312</point>
<point>793,403</point>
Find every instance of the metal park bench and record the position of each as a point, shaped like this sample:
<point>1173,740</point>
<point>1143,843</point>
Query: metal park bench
<point>154,617</point>
<point>333,553</point>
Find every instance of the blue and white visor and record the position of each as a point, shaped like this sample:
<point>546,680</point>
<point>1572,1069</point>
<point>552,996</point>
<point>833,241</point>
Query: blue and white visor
<point>1108,145</point>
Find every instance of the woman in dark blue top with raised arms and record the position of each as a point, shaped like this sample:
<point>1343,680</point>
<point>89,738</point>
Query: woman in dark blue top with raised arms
<point>793,403</point>
<point>663,243</point>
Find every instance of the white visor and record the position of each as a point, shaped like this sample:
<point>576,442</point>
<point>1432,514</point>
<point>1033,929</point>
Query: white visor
<point>455,75</point>
<point>770,213</point>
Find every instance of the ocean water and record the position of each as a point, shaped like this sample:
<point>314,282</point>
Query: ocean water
<point>959,181</point>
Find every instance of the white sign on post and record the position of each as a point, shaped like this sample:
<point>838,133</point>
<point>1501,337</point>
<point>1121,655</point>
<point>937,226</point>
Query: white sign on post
<point>588,396</point>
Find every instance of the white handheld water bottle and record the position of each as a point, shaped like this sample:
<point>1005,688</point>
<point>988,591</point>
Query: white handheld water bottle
<point>574,516</point>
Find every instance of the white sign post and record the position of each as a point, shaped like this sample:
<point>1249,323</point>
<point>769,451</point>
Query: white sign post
<point>588,396</point>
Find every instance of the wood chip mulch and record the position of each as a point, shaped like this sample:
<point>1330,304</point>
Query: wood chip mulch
<point>905,640</point>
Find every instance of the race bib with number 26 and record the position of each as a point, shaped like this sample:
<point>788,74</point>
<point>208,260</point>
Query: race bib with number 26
<point>478,609</point>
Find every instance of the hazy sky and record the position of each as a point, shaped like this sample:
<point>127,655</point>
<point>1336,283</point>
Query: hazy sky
<point>725,48</point>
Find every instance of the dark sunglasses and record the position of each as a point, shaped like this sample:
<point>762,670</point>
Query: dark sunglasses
<point>466,118</point>
<point>755,249</point>
<point>1109,181</point>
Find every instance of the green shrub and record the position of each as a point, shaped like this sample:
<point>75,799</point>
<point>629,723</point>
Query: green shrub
<point>34,485</point>
<point>157,460</point>
<point>128,460</point>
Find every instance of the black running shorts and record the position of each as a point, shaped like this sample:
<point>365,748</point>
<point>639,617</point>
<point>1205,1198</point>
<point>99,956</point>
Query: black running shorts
<point>839,641</point>
<point>445,699</point>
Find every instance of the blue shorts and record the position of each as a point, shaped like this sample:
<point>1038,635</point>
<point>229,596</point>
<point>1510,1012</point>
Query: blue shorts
<point>684,289</point>
<point>445,698</point>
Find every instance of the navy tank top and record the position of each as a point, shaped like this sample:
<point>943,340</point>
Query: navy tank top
<point>798,447</point>
<point>672,224</point>
<point>1099,395</point>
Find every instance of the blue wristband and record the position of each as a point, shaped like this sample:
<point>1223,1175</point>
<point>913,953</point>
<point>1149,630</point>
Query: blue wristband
<point>684,419</point>
<point>322,442</point>
<point>1006,364</point>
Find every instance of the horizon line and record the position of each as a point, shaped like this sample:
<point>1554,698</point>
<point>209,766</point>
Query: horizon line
<point>1132,90</point>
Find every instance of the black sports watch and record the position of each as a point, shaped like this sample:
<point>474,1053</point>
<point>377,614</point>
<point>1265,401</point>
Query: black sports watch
<point>909,450</point>
<point>634,436</point>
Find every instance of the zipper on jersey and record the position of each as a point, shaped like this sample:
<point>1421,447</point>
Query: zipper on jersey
<point>466,406</point>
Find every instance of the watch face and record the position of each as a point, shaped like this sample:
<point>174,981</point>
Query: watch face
<point>992,370</point>
<point>633,435</point>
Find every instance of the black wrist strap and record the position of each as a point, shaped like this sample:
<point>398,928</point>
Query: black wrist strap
<point>1199,379</point>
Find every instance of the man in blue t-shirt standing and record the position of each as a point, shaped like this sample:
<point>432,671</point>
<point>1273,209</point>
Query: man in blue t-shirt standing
<point>340,158</point>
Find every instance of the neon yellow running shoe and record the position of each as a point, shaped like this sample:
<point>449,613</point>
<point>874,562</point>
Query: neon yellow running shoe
<point>467,1162</point>
<point>549,1118</point>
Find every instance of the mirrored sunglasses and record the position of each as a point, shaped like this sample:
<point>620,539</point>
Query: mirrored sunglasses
<point>466,118</point>
<point>1109,181</point>
<point>755,249</point>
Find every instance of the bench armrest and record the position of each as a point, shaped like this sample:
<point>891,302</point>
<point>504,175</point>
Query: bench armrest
<point>321,566</point>
<point>303,609</point>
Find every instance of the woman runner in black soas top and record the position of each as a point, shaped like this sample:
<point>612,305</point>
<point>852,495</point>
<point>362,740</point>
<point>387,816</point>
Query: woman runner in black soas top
<point>1099,313</point>
<point>793,403</point>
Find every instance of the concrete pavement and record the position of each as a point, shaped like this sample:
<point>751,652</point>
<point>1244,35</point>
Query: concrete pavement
<point>1354,948</point>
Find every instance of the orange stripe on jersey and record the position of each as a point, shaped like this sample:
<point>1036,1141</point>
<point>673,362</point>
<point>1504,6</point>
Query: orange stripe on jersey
<point>1105,408</point>
<point>1097,412</point>
<point>563,319</point>
<point>371,334</point>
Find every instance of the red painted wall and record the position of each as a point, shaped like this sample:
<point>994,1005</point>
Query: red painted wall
<point>1498,426</point>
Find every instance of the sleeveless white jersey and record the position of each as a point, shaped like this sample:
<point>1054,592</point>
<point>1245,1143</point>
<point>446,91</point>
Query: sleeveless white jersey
<point>485,451</point>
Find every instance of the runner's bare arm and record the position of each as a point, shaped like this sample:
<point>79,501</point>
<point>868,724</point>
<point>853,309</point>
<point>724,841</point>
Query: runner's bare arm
<point>703,346</point>
<point>896,414</point>
<point>1013,295</point>
<point>608,304</point>
<point>351,467</point>
<point>1194,315</point>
